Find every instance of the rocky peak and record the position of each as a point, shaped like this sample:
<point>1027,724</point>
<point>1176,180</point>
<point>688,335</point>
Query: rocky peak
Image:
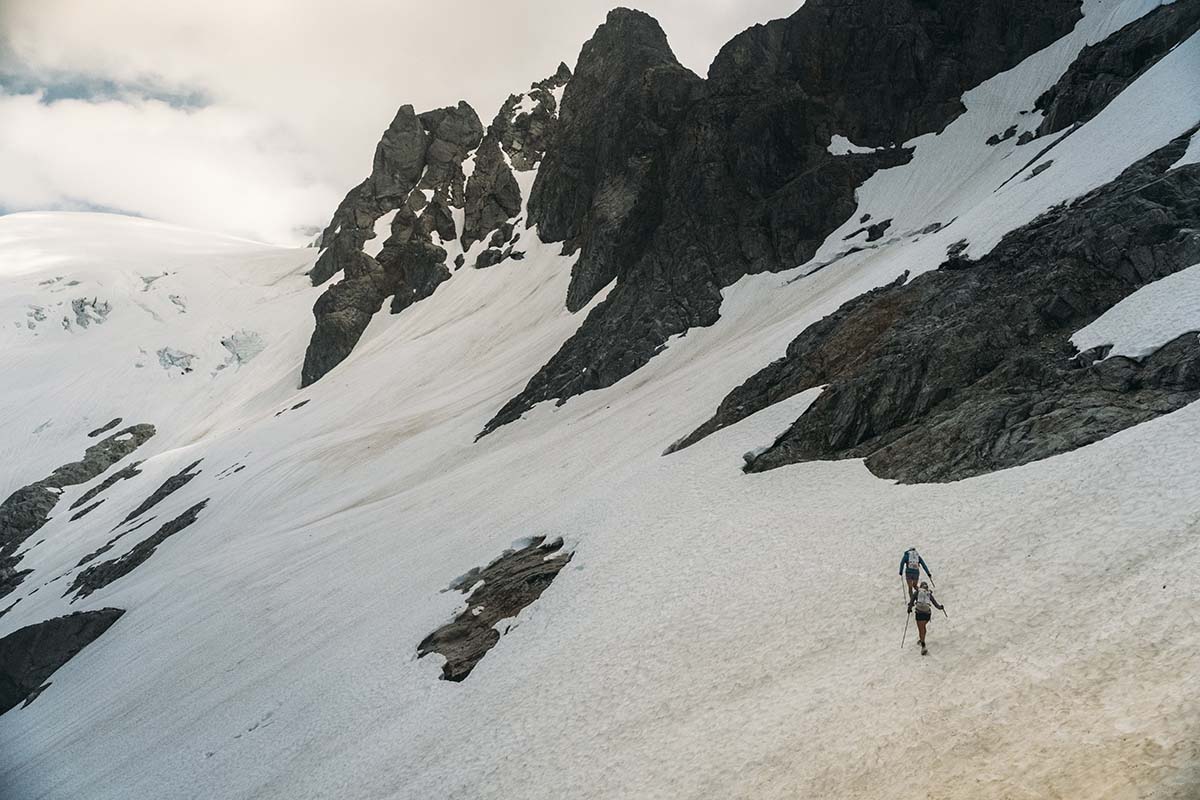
<point>526,121</point>
<point>419,177</point>
<point>677,187</point>
<point>517,140</point>
<point>426,149</point>
<point>596,191</point>
<point>417,173</point>
<point>627,33</point>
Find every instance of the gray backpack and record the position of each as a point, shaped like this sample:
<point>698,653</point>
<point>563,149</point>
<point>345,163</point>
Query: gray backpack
<point>922,604</point>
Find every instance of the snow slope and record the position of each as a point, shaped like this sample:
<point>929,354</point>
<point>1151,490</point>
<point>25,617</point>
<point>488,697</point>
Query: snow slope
<point>1148,318</point>
<point>715,635</point>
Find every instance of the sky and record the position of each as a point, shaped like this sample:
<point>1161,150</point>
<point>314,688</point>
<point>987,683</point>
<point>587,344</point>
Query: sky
<point>254,117</point>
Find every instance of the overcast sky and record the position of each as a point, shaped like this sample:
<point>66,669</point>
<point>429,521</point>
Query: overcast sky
<point>254,117</point>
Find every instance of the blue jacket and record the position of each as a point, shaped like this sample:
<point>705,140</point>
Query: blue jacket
<point>904,562</point>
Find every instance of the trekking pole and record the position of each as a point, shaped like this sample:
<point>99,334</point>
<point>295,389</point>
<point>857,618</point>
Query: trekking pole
<point>905,636</point>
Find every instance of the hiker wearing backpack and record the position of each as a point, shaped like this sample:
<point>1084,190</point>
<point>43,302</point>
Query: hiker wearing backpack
<point>911,565</point>
<point>924,602</point>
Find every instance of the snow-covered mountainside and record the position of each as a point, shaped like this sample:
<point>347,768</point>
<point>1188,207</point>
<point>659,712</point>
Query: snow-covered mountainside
<point>302,523</point>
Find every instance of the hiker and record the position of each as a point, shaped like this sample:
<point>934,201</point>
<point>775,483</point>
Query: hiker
<point>924,602</point>
<point>910,567</point>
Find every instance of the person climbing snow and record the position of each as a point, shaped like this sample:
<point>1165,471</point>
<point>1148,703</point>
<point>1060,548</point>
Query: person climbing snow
<point>924,602</point>
<point>911,564</point>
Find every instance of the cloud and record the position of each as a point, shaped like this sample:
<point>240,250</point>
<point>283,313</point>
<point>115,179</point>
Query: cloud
<point>212,168</point>
<point>254,117</point>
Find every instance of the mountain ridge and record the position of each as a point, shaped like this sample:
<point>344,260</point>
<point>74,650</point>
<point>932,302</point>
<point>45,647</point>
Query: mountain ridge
<point>335,587</point>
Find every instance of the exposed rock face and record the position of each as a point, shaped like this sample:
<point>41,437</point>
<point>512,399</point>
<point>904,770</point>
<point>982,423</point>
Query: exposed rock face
<point>108,426</point>
<point>104,548</point>
<point>508,585</point>
<point>123,474</point>
<point>678,187</point>
<point>100,575</point>
<point>32,654</point>
<point>169,487</point>
<point>1103,70</point>
<point>519,135</point>
<point>493,195</point>
<point>526,134</point>
<point>822,352</point>
<point>969,369</point>
<point>600,188</point>
<point>27,509</point>
<point>418,173</point>
<point>86,511</point>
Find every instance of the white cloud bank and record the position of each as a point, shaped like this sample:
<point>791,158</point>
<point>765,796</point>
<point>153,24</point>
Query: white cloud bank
<point>298,91</point>
<point>214,168</point>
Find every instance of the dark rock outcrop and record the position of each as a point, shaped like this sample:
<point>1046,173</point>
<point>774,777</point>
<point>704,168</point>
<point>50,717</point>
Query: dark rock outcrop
<point>1104,69</point>
<point>496,592</point>
<point>997,138</point>
<point>105,428</point>
<point>9,608</point>
<point>104,548</point>
<point>600,187</point>
<point>521,131</point>
<point>418,173</point>
<point>493,195</point>
<point>32,654</point>
<point>100,575</point>
<point>26,510</point>
<point>124,474</point>
<point>969,368</point>
<point>168,487</point>
<point>83,513</point>
<point>677,187</point>
<point>526,135</point>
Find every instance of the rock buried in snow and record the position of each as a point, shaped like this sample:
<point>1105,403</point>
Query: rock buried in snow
<point>168,487</point>
<point>105,428</point>
<point>32,654</point>
<point>100,575</point>
<point>28,508</point>
<point>124,474</point>
<point>497,592</point>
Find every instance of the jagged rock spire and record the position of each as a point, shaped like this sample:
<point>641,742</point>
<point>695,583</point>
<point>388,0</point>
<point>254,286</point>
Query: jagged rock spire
<point>418,174</point>
<point>420,177</point>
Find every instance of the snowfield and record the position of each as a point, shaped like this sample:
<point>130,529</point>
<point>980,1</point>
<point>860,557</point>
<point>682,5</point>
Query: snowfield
<point>715,634</point>
<point>1148,318</point>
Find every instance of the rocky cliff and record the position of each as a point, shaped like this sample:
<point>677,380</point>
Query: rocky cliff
<point>677,187</point>
<point>669,187</point>
<point>970,368</point>
<point>439,184</point>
